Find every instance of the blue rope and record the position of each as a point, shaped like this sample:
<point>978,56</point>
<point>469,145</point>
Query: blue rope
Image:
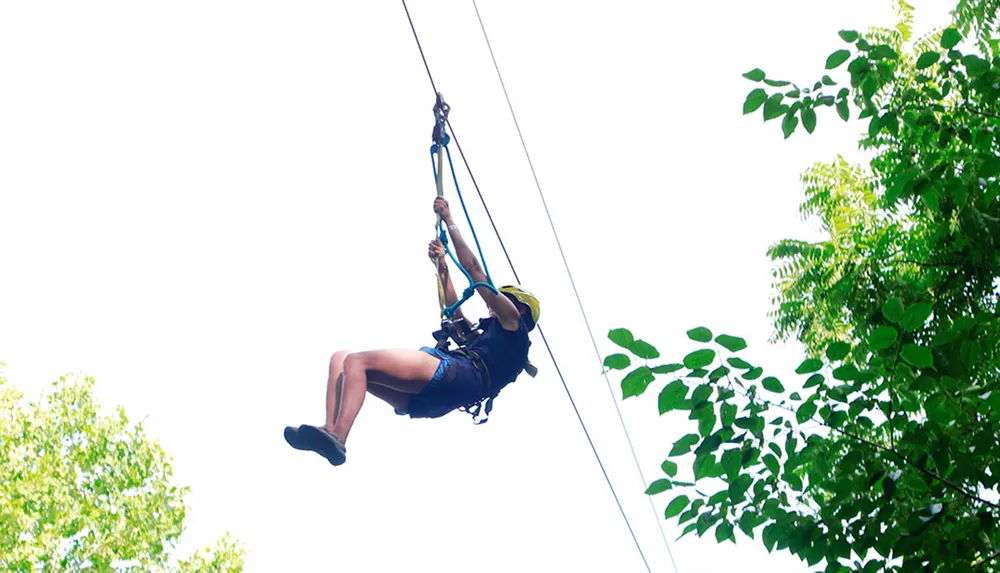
<point>443,234</point>
<point>467,218</point>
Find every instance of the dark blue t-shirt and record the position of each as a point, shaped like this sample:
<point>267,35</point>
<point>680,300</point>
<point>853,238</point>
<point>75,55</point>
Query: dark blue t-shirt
<point>505,352</point>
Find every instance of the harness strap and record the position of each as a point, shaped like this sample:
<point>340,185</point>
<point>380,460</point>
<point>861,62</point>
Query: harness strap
<point>473,408</point>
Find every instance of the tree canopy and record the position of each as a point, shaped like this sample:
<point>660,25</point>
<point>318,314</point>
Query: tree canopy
<point>81,491</point>
<point>881,454</point>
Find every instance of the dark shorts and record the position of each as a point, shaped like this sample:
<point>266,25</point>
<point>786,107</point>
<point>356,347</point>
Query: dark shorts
<point>456,383</point>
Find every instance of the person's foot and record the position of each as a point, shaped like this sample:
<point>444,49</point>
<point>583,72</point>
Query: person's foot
<point>323,442</point>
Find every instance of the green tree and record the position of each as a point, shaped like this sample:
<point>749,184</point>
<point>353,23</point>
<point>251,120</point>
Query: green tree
<point>85,492</point>
<point>882,453</point>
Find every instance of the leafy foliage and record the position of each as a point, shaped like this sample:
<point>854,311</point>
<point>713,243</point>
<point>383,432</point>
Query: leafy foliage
<point>86,492</point>
<point>881,452</point>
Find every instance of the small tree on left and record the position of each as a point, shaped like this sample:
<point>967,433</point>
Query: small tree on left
<point>82,491</point>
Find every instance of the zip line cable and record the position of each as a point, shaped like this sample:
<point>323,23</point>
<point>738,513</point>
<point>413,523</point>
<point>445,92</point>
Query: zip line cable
<point>573,283</point>
<point>540,331</point>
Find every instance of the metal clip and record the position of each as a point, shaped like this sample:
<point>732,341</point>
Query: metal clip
<point>441,109</point>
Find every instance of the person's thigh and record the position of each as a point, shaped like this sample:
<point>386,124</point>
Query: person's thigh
<point>404,370</point>
<point>398,400</point>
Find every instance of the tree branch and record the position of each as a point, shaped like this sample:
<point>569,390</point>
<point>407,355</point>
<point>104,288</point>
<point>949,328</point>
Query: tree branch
<point>980,112</point>
<point>986,560</point>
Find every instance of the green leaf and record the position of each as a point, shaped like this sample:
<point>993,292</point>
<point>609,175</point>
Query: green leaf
<point>699,358</point>
<point>718,374</point>
<point>809,366</point>
<point>809,119</point>
<point>975,66</point>
<point>672,396</point>
<point>828,81</point>
<point>772,464</point>
<point>676,506</point>
<point>622,337</point>
<point>814,380</point>
<point>700,334</point>
<point>789,124</point>
<point>846,372</point>
<point>701,393</point>
<point>636,381</point>
<point>937,410</point>
<point>737,362</point>
<point>883,52</point>
<point>918,356</point>
<point>777,83</point>
<point>926,60</point>
<point>837,419</point>
<point>754,75</point>
<point>667,368</point>
<point>658,486</point>
<point>738,487</point>
<point>755,99</point>
<point>644,350</point>
<point>684,445</point>
<point>883,337</point>
<point>728,414</point>
<point>848,35</point>
<point>950,38</point>
<point>837,351</point>
<point>753,374</point>
<point>703,466</point>
<point>617,362</point>
<point>773,107</point>
<point>874,126</point>
<point>770,536</point>
<point>806,411</point>
<point>970,352</point>
<point>731,343</point>
<point>837,58</point>
<point>723,532</point>
<point>794,480</point>
<point>892,310</point>
<point>916,315</point>
<point>707,423</point>
<point>843,110</point>
<point>772,384</point>
<point>669,468</point>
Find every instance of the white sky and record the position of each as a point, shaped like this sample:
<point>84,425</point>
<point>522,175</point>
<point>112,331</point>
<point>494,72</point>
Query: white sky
<point>201,201</point>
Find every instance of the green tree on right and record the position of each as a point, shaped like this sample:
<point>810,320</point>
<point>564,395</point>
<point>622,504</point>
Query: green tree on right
<point>886,456</point>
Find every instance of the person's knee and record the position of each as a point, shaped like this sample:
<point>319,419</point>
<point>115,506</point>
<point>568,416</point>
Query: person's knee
<point>355,361</point>
<point>337,360</point>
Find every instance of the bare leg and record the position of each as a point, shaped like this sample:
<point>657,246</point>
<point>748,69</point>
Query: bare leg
<point>335,387</point>
<point>403,370</point>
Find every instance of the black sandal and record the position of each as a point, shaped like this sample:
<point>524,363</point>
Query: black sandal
<point>323,442</point>
<point>295,439</point>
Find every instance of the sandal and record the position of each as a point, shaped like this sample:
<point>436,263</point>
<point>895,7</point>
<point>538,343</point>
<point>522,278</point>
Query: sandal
<point>295,439</point>
<point>323,442</point>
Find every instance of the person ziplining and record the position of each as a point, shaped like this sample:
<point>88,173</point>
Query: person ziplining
<point>432,382</point>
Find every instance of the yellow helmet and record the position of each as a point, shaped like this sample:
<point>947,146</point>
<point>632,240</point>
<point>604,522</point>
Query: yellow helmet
<point>526,298</point>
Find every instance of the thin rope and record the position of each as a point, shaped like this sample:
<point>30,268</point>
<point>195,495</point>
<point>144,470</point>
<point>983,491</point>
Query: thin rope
<point>541,332</point>
<point>573,283</point>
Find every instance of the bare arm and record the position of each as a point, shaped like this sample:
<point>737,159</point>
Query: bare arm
<point>436,252</point>
<point>504,309</point>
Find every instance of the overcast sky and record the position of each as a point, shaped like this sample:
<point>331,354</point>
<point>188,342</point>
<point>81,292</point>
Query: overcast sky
<point>200,201</point>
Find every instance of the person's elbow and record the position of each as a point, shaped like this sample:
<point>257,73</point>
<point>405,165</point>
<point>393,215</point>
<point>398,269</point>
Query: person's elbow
<point>476,271</point>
